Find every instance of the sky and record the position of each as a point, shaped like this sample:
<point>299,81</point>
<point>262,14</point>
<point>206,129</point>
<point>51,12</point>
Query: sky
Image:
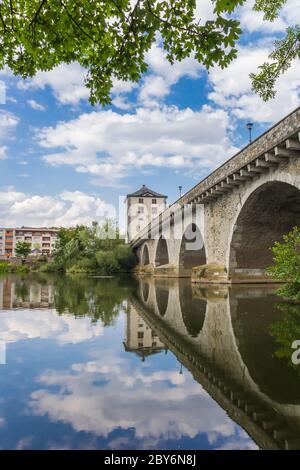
<point>64,162</point>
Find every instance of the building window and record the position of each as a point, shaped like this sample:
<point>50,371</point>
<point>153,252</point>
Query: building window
<point>141,200</point>
<point>154,344</point>
<point>140,335</point>
<point>140,210</point>
<point>154,210</point>
<point>140,345</point>
<point>138,228</point>
<point>154,201</point>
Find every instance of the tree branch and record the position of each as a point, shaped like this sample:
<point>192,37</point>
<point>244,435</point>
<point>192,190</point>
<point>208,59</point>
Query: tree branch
<point>37,12</point>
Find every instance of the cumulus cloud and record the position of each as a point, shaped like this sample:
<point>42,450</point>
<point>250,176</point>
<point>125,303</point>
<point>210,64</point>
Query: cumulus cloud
<point>22,324</point>
<point>66,82</point>
<point>109,145</point>
<point>8,123</point>
<point>253,21</point>
<point>68,208</point>
<point>158,404</point>
<point>35,105</point>
<point>231,88</point>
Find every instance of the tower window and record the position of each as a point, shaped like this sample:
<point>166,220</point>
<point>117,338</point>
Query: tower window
<point>141,200</point>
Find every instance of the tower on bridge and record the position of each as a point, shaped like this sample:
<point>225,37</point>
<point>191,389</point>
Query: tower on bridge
<point>142,206</point>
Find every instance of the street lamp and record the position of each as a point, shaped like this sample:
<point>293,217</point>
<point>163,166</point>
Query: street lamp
<point>249,126</point>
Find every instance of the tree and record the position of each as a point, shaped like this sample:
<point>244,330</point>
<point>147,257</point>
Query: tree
<point>22,249</point>
<point>110,38</point>
<point>287,264</point>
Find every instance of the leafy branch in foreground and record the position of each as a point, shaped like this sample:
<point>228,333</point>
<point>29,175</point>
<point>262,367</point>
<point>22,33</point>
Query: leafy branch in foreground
<point>286,50</point>
<point>110,38</point>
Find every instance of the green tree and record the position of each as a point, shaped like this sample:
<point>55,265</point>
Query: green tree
<point>110,38</point>
<point>22,249</point>
<point>287,264</point>
<point>99,248</point>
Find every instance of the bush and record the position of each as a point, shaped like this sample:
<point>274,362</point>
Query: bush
<point>107,262</point>
<point>287,264</point>
<point>84,265</point>
<point>4,266</point>
<point>125,257</point>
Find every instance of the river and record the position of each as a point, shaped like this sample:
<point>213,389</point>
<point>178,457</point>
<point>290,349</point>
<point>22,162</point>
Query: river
<point>122,363</point>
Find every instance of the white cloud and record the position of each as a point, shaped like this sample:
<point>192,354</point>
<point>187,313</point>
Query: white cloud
<point>8,123</point>
<point>3,153</point>
<point>65,209</point>
<point>253,21</point>
<point>111,146</point>
<point>22,324</point>
<point>231,88</point>
<point>66,82</point>
<point>35,105</point>
<point>162,75</point>
<point>164,404</point>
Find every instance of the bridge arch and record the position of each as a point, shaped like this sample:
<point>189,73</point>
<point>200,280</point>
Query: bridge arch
<point>270,211</point>
<point>193,309</point>
<point>162,293</point>
<point>145,289</point>
<point>145,255</point>
<point>162,252</point>
<point>192,250</point>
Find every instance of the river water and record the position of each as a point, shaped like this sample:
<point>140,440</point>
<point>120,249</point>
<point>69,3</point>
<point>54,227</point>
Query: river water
<point>120,363</point>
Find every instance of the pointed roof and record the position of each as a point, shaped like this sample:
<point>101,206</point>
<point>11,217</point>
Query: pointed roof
<point>145,192</point>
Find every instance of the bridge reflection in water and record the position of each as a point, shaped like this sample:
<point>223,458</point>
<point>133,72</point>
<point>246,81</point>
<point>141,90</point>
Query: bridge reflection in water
<point>230,339</point>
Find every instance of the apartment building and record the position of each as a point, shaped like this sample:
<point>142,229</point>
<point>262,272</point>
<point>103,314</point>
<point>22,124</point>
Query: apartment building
<point>42,240</point>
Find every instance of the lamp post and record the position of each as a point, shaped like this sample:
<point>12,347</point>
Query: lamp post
<point>180,189</point>
<point>249,126</point>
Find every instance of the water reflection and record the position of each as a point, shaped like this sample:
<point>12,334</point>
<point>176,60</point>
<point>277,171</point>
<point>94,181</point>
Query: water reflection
<point>116,363</point>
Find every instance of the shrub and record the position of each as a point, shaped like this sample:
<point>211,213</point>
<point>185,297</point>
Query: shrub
<point>107,262</point>
<point>287,264</point>
<point>125,257</point>
<point>84,265</point>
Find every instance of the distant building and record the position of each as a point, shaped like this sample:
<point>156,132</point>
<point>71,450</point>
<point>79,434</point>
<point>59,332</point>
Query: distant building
<point>143,206</point>
<point>42,240</point>
<point>140,338</point>
<point>15,294</point>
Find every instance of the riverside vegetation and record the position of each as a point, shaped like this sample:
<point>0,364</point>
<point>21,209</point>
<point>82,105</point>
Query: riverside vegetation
<point>96,249</point>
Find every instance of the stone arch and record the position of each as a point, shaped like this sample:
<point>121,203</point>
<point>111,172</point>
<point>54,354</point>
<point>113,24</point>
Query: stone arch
<point>162,292</point>
<point>162,252</point>
<point>192,250</point>
<point>257,345</point>
<point>192,309</point>
<point>145,255</point>
<point>145,288</point>
<point>269,212</point>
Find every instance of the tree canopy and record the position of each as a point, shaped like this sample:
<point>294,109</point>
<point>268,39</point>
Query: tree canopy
<point>22,249</point>
<point>110,38</point>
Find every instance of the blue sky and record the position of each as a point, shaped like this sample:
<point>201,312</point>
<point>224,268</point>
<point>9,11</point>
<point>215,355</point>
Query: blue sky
<point>64,162</point>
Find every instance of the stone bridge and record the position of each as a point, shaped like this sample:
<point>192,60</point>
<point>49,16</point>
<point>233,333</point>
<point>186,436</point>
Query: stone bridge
<point>227,223</point>
<point>207,328</point>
